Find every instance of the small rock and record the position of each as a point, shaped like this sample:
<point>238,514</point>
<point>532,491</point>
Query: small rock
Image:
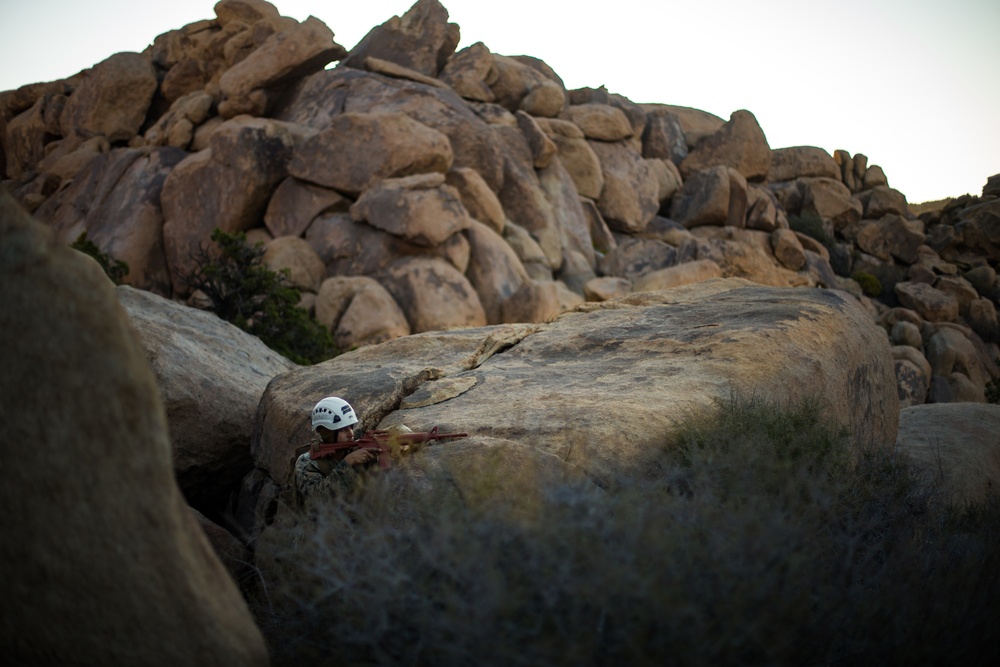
<point>906,333</point>
<point>606,288</point>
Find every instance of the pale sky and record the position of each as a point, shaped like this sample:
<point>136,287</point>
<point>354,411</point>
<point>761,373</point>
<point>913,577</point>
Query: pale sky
<point>912,84</point>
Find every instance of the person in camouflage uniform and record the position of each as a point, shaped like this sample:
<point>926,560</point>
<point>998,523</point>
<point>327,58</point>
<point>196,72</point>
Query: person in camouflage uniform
<point>333,420</point>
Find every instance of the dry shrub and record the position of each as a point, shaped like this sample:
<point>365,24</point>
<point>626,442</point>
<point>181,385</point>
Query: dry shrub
<point>757,537</point>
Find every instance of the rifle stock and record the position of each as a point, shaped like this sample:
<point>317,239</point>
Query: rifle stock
<point>386,444</point>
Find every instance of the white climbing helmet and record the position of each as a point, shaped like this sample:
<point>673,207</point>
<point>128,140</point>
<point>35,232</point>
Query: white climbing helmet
<point>333,413</point>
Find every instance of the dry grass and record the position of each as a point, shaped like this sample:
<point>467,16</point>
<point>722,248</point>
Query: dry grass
<point>753,538</point>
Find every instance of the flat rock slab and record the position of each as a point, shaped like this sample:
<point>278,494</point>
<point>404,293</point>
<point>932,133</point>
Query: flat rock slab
<point>602,385</point>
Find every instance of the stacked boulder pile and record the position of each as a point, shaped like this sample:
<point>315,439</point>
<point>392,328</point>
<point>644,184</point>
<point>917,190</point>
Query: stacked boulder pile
<point>417,187</point>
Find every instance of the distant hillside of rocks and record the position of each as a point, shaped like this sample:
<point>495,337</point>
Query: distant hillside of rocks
<point>416,187</point>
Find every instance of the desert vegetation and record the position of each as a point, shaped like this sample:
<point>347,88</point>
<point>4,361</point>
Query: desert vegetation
<point>242,290</point>
<point>759,536</point>
<point>115,269</point>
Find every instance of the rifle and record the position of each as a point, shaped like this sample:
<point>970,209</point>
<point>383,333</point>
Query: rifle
<point>386,444</point>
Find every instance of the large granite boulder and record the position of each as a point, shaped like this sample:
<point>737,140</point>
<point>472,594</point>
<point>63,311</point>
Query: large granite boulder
<point>479,201</point>
<point>26,133</point>
<point>421,209</point>
<point>739,144</point>
<point>749,254</point>
<point>526,84</point>
<point>112,99</point>
<point>356,150</point>
<point>828,199</point>
<point>295,204</point>
<point>601,122</point>
<point>103,562</point>
<point>630,196</point>
<point>421,40</point>
<point>882,200</point>
<point>470,72</point>
<point>635,257</point>
<point>932,304</point>
<point>116,200</point>
<point>324,95</point>
<point>568,210</point>
<point>356,248</point>
<point>576,155</point>
<point>211,376</point>
<point>433,294</point>
<point>958,440</point>
<point>788,164</point>
<point>650,360</point>
<point>283,58</point>
<point>663,137</point>
<point>226,186</point>
<point>523,199</point>
<point>359,311</point>
<point>695,123</point>
<point>495,270</point>
<point>713,196</point>
<point>302,265</point>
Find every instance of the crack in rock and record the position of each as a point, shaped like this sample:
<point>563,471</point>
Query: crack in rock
<point>434,385</point>
<point>438,391</point>
<point>500,340</point>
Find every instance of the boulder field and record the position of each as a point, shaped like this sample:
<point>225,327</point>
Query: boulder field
<point>409,185</point>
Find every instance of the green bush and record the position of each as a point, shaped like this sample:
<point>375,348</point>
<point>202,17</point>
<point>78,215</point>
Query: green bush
<point>759,537</point>
<point>115,269</point>
<point>244,292</point>
<point>870,285</point>
<point>811,225</point>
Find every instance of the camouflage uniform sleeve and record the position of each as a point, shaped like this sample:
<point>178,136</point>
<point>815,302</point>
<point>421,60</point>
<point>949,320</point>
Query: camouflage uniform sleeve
<point>310,479</point>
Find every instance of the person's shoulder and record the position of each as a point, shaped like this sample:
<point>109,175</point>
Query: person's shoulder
<point>304,461</point>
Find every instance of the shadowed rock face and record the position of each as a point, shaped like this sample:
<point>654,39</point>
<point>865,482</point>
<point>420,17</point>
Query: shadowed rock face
<point>959,439</point>
<point>103,562</point>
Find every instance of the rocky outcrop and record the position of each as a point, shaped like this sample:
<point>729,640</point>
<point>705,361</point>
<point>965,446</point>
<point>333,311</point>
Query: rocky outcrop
<point>421,40</point>
<point>238,122</point>
<point>99,545</point>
